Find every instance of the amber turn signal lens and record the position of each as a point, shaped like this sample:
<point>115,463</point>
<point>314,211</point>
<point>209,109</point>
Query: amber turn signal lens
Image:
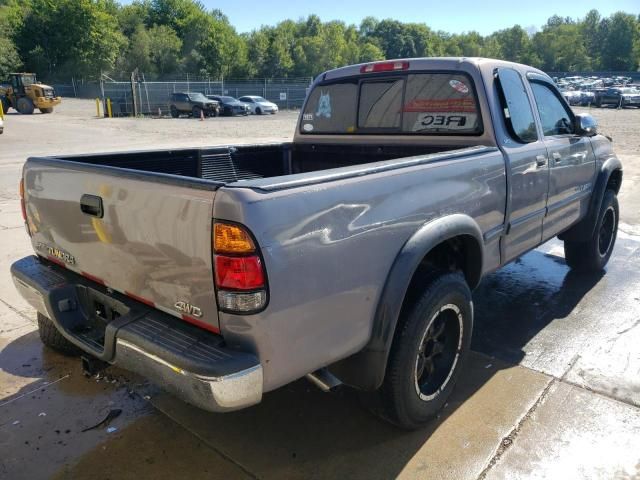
<point>228,238</point>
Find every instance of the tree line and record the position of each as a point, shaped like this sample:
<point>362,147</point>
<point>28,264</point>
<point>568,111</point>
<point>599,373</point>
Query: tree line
<point>84,38</point>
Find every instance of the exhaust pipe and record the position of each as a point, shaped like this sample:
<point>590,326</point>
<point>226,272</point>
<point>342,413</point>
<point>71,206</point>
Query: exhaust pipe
<point>324,380</point>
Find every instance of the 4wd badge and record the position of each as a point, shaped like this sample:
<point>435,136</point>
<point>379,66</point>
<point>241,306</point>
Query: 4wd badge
<point>189,309</point>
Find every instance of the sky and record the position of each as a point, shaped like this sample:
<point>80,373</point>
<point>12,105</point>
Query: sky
<point>454,16</point>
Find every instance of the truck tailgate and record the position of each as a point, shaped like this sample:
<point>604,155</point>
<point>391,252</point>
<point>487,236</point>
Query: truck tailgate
<point>136,233</point>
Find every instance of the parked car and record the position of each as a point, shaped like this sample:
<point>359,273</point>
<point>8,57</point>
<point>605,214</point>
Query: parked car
<point>573,97</point>
<point>618,96</point>
<point>347,256</point>
<point>587,97</point>
<point>259,105</point>
<point>193,104</point>
<point>230,106</point>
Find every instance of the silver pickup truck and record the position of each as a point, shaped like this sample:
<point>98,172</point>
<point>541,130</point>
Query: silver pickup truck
<point>347,256</point>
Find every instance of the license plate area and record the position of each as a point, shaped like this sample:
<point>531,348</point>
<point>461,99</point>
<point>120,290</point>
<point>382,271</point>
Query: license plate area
<point>97,312</point>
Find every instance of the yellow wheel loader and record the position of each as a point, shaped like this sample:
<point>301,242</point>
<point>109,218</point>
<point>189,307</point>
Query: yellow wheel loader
<point>24,93</point>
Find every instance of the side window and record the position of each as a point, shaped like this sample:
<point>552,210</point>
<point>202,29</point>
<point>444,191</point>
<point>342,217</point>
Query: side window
<point>516,109</point>
<point>554,116</point>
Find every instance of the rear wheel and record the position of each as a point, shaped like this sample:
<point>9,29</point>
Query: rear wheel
<point>52,338</point>
<point>429,348</point>
<point>258,111</point>
<point>174,112</point>
<point>593,254</point>
<point>46,110</point>
<point>25,106</point>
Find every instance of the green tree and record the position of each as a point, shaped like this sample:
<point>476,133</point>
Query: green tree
<point>9,59</point>
<point>70,37</point>
<point>164,49</point>
<point>619,42</point>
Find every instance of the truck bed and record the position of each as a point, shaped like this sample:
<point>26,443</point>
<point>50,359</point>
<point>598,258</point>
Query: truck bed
<point>230,164</point>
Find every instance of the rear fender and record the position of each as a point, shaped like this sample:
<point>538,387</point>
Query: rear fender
<point>366,369</point>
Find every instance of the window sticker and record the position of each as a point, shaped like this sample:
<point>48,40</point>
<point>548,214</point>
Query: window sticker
<point>308,117</point>
<point>458,86</point>
<point>307,127</point>
<point>444,121</point>
<point>324,105</point>
<point>423,105</point>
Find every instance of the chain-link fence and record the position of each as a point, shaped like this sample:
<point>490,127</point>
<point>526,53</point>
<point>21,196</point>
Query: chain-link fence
<point>137,95</point>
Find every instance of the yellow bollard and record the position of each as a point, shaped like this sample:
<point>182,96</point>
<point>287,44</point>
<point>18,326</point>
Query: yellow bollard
<point>97,107</point>
<point>109,107</point>
<point>1,110</point>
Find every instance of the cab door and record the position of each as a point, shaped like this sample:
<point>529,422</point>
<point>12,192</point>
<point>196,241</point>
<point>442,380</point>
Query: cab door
<point>527,165</point>
<point>572,164</point>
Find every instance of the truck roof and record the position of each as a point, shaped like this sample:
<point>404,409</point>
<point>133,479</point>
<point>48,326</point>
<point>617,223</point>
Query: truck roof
<point>433,63</point>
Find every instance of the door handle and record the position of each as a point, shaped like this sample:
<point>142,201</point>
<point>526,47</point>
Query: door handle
<point>541,160</point>
<point>91,205</point>
<point>557,157</point>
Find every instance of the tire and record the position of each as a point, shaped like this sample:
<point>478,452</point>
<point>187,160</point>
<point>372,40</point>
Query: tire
<point>46,110</point>
<point>174,112</point>
<point>438,322</point>
<point>258,111</point>
<point>593,254</point>
<point>25,106</point>
<point>52,338</point>
<point>6,105</point>
<point>598,103</point>
<point>195,112</point>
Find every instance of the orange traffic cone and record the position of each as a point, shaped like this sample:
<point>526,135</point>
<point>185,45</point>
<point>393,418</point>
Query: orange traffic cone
<point>202,115</point>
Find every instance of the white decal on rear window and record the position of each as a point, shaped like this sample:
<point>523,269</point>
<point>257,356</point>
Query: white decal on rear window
<point>307,127</point>
<point>458,86</point>
<point>308,117</point>
<point>324,105</point>
<point>443,121</point>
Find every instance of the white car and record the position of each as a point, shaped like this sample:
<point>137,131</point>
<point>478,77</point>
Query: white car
<point>259,105</point>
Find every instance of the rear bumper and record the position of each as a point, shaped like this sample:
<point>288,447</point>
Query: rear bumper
<point>193,364</point>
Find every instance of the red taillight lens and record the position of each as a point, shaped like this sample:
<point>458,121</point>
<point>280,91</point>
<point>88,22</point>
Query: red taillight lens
<point>384,67</point>
<point>239,273</point>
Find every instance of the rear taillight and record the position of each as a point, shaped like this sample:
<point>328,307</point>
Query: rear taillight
<point>384,67</point>
<point>239,272</point>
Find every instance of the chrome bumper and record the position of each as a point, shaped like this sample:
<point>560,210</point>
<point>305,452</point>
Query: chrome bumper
<point>193,364</point>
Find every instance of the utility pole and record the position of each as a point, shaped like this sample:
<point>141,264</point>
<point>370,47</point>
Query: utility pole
<point>133,93</point>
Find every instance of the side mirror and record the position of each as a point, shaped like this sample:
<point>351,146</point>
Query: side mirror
<point>586,125</point>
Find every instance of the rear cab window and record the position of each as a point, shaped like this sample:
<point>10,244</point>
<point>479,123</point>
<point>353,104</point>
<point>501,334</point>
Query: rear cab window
<point>438,103</point>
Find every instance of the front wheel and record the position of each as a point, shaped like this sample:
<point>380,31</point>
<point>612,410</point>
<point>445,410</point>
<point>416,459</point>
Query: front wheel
<point>592,254</point>
<point>25,106</point>
<point>196,112</point>
<point>431,342</point>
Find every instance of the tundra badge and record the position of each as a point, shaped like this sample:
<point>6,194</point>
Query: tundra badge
<point>56,253</point>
